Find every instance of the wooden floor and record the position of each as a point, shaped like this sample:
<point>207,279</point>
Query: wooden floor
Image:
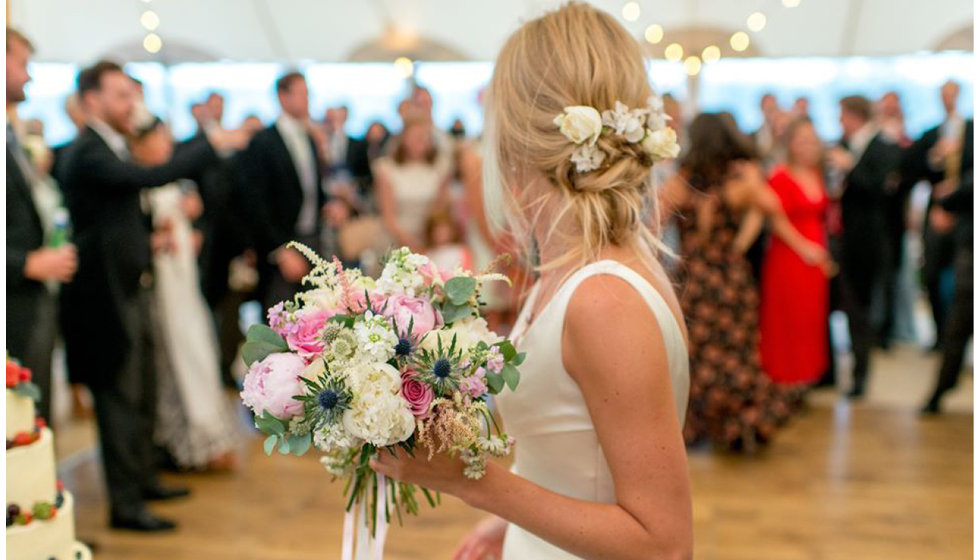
<point>871,481</point>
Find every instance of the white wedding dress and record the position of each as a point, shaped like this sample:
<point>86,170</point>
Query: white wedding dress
<point>557,447</point>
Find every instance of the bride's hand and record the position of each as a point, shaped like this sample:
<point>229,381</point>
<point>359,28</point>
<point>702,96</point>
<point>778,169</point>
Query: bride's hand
<point>484,542</point>
<point>442,474</point>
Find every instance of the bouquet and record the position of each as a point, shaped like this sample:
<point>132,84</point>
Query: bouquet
<point>355,365</point>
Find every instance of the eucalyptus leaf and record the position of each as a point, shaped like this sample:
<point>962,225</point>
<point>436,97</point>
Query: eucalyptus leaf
<point>507,350</point>
<point>459,290</point>
<point>284,446</point>
<point>519,359</point>
<point>452,313</point>
<point>270,444</point>
<point>511,376</point>
<point>269,424</point>
<point>262,333</point>
<point>299,445</point>
<point>256,351</point>
<point>495,382</point>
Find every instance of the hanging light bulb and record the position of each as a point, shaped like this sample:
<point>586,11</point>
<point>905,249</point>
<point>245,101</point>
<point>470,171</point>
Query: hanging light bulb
<point>674,52</point>
<point>740,41</point>
<point>791,3</point>
<point>654,34</point>
<point>631,11</point>
<point>692,65</point>
<point>152,43</point>
<point>150,20</point>
<point>405,66</point>
<point>756,22</point>
<point>711,53</point>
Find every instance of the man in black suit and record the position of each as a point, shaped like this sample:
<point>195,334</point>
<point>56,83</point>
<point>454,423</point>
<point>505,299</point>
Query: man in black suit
<point>32,266</point>
<point>282,178</point>
<point>942,154</point>
<point>868,163</point>
<point>106,309</point>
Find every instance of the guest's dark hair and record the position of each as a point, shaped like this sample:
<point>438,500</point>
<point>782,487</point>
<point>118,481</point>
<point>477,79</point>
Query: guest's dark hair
<point>715,144</point>
<point>14,35</point>
<point>401,157</point>
<point>90,79</point>
<point>286,81</point>
<point>857,105</point>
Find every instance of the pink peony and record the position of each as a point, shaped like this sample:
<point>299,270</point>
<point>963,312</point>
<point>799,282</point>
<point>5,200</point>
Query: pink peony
<point>475,386</point>
<point>271,384</point>
<point>432,274</point>
<point>304,336</point>
<point>358,301</point>
<point>417,312</point>
<point>418,395</point>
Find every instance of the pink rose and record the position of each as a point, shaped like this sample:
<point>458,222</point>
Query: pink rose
<point>271,384</point>
<point>304,336</point>
<point>418,394</point>
<point>475,386</point>
<point>432,274</point>
<point>417,312</point>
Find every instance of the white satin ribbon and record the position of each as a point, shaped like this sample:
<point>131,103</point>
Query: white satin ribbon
<point>368,548</point>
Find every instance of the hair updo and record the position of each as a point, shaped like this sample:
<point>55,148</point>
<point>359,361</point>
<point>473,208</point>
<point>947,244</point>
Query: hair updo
<point>576,55</point>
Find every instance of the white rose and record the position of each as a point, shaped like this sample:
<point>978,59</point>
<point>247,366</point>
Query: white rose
<point>468,332</point>
<point>580,124</point>
<point>661,144</point>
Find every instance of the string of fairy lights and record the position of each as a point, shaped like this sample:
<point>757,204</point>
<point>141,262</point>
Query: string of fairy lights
<point>739,40</point>
<point>152,43</point>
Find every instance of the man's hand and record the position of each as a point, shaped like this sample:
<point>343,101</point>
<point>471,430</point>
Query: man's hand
<point>52,264</point>
<point>292,265</point>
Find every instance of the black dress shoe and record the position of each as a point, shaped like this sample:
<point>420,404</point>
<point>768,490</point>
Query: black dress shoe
<point>857,393</point>
<point>143,521</point>
<point>161,493</point>
<point>931,408</point>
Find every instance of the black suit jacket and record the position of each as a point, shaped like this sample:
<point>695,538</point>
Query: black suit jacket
<point>113,238</point>
<point>272,188</point>
<point>24,234</point>
<point>915,164</point>
<point>865,244</point>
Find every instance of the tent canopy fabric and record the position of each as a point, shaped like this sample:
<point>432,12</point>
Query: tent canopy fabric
<point>341,30</point>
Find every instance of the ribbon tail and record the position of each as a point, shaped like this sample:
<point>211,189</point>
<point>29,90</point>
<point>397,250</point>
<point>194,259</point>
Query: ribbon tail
<point>347,546</point>
<point>363,531</point>
<point>381,519</point>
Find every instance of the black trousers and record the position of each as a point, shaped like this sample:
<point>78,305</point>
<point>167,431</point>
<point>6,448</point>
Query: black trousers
<point>40,346</point>
<point>938,254</point>
<point>856,293</point>
<point>125,411</point>
<point>959,326</point>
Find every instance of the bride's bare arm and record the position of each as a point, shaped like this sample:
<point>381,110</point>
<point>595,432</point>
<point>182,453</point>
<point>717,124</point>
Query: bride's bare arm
<point>614,350</point>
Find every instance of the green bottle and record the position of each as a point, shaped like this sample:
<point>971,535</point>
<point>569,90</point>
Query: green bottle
<point>59,231</point>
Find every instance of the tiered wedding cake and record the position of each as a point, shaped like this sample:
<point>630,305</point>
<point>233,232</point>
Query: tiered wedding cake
<point>40,517</point>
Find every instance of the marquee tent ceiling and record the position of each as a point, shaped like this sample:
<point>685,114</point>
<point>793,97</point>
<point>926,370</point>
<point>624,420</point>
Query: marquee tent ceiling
<point>362,30</point>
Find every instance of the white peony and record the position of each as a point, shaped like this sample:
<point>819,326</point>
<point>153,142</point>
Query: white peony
<point>628,123</point>
<point>468,332</point>
<point>376,376</point>
<point>661,144</point>
<point>580,124</point>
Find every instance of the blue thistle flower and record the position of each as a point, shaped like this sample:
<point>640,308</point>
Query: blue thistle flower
<point>442,368</point>
<point>403,348</point>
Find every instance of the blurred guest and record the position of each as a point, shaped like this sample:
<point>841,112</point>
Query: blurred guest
<point>412,185</point>
<point>943,154</point>
<point>444,243</point>
<point>338,143</point>
<point>194,423</point>
<point>73,108</point>
<point>458,130</point>
<point>376,138</point>
<point>35,260</point>
<point>282,181</point>
<point>801,107</point>
<point>867,162</point>
<point>955,212</point>
<point>106,310</point>
<point>215,104</point>
<point>794,294</point>
<point>732,401</point>
<point>766,139</point>
<point>891,121</point>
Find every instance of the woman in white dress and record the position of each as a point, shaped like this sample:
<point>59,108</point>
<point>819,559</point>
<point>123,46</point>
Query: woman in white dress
<point>195,423</point>
<point>600,467</point>
<point>412,185</point>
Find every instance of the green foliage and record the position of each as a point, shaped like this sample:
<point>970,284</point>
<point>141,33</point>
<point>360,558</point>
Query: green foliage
<point>511,376</point>
<point>260,342</point>
<point>459,290</point>
<point>269,424</point>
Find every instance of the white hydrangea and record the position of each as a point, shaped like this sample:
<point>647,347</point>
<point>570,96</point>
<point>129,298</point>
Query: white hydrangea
<point>401,273</point>
<point>378,414</point>
<point>468,332</point>
<point>373,377</point>
<point>376,339</point>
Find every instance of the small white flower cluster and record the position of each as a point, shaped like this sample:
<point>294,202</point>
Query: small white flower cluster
<point>583,125</point>
<point>401,273</point>
<point>375,337</point>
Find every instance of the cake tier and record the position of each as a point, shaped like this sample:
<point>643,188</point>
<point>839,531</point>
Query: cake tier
<point>20,414</point>
<point>31,475</point>
<point>46,540</point>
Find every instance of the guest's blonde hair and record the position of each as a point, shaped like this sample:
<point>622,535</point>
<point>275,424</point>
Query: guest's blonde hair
<point>576,55</point>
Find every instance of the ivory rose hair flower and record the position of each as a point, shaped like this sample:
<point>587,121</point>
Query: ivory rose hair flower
<point>580,124</point>
<point>661,144</point>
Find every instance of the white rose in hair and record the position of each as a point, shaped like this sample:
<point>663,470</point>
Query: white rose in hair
<point>661,144</point>
<point>627,123</point>
<point>580,124</point>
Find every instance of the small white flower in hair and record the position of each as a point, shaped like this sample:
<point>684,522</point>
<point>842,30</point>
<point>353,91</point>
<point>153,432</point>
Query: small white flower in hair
<point>625,122</point>
<point>587,158</point>
<point>580,124</point>
<point>657,118</point>
<point>661,144</point>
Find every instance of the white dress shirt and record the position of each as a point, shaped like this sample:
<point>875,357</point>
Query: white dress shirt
<point>859,141</point>
<point>115,140</point>
<point>297,141</point>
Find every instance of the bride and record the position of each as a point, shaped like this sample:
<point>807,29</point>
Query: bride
<point>600,467</point>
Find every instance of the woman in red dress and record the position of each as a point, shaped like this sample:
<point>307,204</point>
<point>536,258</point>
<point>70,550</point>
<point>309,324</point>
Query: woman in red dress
<point>794,306</point>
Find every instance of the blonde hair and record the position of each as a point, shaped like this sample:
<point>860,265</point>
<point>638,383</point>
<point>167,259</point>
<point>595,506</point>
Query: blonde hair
<point>576,55</point>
